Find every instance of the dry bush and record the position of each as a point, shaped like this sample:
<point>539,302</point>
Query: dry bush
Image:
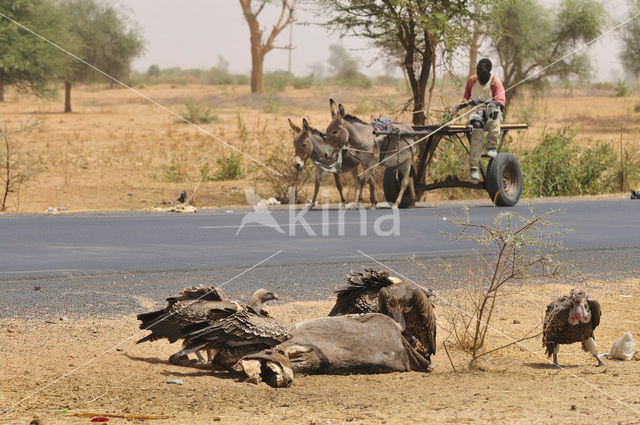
<point>509,251</point>
<point>289,178</point>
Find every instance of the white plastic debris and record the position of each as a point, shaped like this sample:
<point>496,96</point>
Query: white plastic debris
<point>270,201</point>
<point>623,348</point>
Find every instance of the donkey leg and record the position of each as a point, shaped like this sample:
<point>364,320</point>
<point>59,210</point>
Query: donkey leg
<point>372,191</point>
<point>336,176</point>
<point>317,187</point>
<point>406,171</point>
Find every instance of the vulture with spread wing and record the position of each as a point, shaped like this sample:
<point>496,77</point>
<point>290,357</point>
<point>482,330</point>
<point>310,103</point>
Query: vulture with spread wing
<point>360,293</point>
<point>571,319</point>
<point>194,305</point>
<point>240,333</point>
<point>410,306</point>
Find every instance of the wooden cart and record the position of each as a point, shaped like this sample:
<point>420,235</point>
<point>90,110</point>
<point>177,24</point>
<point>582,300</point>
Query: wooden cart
<point>502,179</point>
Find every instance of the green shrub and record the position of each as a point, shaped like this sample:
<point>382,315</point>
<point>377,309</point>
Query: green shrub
<point>385,80</point>
<point>594,172</point>
<point>230,168</point>
<point>278,80</point>
<point>198,113</point>
<point>636,107</point>
<point>205,173</point>
<point>173,174</point>
<point>303,82</point>
<point>353,79</point>
<point>621,89</point>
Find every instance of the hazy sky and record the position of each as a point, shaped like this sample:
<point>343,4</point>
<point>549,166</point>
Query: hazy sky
<point>192,33</point>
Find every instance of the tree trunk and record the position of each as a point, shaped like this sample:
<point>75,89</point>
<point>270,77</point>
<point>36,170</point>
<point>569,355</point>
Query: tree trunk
<point>1,91</point>
<point>257,80</point>
<point>473,52</point>
<point>67,96</point>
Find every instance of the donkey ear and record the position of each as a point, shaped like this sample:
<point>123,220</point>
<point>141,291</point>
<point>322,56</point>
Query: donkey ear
<point>305,125</point>
<point>341,110</point>
<point>294,127</point>
<point>334,107</point>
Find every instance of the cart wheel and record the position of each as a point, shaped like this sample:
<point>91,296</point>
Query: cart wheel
<point>504,180</point>
<point>391,186</point>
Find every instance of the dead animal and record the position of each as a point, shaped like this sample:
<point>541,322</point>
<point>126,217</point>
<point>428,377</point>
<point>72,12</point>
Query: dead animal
<point>237,332</point>
<point>571,319</point>
<point>412,309</point>
<point>355,343</point>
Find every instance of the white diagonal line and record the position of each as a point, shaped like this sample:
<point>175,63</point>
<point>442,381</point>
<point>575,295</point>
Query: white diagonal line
<point>147,98</point>
<point>513,86</point>
<point>514,341</point>
<point>71,372</point>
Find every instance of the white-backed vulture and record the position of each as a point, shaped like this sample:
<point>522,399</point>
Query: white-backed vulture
<point>410,306</point>
<point>237,334</point>
<point>360,293</point>
<point>571,319</point>
<point>194,305</point>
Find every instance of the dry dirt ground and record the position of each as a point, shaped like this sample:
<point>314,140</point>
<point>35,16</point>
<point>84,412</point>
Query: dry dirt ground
<point>514,385</point>
<point>117,151</point>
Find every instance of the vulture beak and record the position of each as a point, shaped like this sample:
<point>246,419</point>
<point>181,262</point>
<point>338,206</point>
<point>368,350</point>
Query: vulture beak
<point>399,318</point>
<point>274,296</point>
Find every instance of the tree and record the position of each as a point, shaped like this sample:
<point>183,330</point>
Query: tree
<point>630,55</point>
<point>260,46</point>
<point>530,38</point>
<point>412,31</point>
<point>102,37</point>
<point>26,61</point>
<point>16,168</point>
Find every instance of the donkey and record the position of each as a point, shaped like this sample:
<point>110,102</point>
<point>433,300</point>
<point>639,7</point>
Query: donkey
<point>359,140</point>
<point>311,143</point>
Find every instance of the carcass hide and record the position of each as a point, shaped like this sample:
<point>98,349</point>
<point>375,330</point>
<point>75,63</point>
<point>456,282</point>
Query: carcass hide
<point>363,343</point>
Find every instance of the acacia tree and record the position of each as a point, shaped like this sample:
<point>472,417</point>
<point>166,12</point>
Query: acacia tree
<point>630,55</point>
<point>530,38</point>
<point>412,31</point>
<point>101,36</point>
<point>26,61</point>
<point>260,46</point>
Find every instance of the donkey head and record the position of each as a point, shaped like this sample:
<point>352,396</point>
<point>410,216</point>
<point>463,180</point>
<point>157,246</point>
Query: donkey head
<point>302,143</point>
<point>337,133</point>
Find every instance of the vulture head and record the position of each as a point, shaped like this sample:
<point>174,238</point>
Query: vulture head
<point>580,311</point>
<point>260,297</point>
<point>398,301</point>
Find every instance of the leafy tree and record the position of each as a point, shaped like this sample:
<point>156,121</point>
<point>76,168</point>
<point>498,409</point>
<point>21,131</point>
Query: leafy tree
<point>530,38</point>
<point>26,61</point>
<point>412,31</point>
<point>260,46</point>
<point>103,37</point>
<point>630,55</point>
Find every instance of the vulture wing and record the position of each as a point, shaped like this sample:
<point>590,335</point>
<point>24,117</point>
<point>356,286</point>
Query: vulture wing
<point>241,329</point>
<point>421,321</point>
<point>360,293</point>
<point>192,305</point>
<point>594,306</point>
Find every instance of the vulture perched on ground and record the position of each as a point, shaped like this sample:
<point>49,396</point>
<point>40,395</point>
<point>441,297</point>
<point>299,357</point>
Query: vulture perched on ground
<point>360,293</point>
<point>239,333</point>
<point>409,305</point>
<point>571,319</point>
<point>194,305</point>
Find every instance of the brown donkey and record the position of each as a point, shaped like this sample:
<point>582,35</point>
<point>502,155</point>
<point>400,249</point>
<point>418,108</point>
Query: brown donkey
<point>311,143</point>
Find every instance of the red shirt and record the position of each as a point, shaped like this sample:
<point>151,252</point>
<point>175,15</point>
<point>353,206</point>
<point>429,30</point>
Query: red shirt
<point>497,89</point>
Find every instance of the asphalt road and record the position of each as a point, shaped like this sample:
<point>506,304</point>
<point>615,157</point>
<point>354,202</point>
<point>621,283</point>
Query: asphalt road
<point>109,262</point>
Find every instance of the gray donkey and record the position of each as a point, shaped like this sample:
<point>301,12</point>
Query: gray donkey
<point>357,137</point>
<point>311,143</point>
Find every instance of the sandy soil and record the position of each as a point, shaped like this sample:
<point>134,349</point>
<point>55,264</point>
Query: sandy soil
<point>514,385</point>
<point>113,151</point>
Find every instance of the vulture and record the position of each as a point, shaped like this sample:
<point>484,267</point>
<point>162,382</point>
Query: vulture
<point>360,293</point>
<point>571,319</point>
<point>409,305</point>
<point>238,334</point>
<point>194,305</point>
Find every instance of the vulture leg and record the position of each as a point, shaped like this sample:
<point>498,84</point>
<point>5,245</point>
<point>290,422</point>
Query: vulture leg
<point>210,356</point>
<point>589,345</point>
<point>200,358</point>
<point>555,355</point>
<point>177,359</point>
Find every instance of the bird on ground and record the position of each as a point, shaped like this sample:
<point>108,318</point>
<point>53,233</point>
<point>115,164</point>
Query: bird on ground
<point>409,305</point>
<point>360,293</point>
<point>571,319</point>
<point>194,305</point>
<point>240,333</point>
